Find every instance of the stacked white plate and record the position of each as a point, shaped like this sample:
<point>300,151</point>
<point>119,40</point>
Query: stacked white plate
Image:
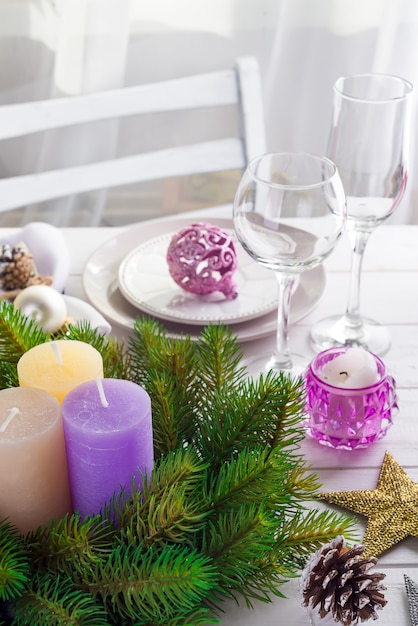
<point>128,277</point>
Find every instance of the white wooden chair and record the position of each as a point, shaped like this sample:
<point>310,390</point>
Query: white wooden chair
<point>239,86</point>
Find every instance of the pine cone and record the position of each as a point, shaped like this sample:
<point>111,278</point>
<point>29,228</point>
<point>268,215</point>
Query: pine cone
<point>337,580</point>
<point>16,267</point>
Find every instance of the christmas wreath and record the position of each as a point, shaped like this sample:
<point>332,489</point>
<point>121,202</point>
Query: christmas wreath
<point>223,514</point>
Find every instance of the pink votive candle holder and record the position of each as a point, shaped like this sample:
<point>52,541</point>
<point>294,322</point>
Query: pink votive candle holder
<point>344,417</point>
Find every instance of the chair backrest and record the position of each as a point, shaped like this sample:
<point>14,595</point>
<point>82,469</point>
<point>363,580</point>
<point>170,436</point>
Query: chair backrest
<point>239,86</point>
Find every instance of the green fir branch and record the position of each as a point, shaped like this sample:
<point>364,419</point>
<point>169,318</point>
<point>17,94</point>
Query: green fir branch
<point>223,513</point>
<point>18,334</point>
<point>256,476</point>
<point>240,534</point>
<point>182,467</point>
<point>237,542</point>
<point>219,358</point>
<point>289,397</point>
<point>173,412</point>
<point>152,351</point>
<point>14,562</point>
<point>155,584</point>
<point>252,414</point>
<point>116,361</point>
<point>306,530</point>
<point>55,601</point>
<point>262,582</point>
<point>8,375</point>
<point>302,482</point>
<point>144,344</point>
<point>166,368</point>
<point>168,507</point>
<point>174,517</point>
<point>272,572</point>
<point>70,546</point>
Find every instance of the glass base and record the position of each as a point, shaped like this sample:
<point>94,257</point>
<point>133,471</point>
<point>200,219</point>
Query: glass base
<point>263,363</point>
<point>335,331</point>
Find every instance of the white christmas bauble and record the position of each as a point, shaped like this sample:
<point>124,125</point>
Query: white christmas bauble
<point>44,305</point>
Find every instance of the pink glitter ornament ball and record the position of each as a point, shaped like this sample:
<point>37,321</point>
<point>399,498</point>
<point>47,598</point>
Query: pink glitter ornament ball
<point>202,259</point>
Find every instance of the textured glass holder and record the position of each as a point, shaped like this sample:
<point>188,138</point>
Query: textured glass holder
<point>345,418</point>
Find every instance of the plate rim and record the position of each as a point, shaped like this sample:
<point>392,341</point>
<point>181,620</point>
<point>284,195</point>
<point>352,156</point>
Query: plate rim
<point>97,290</point>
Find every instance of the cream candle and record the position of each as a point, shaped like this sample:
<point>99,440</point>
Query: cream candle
<point>34,484</point>
<point>59,366</point>
<point>108,438</point>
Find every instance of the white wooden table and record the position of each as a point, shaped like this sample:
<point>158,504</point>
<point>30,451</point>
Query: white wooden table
<point>389,294</point>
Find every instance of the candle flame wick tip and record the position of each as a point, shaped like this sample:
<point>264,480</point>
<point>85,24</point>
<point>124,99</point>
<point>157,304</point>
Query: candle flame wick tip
<point>55,349</point>
<point>12,414</point>
<point>100,389</point>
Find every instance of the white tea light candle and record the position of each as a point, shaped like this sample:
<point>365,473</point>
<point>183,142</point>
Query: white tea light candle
<point>353,369</point>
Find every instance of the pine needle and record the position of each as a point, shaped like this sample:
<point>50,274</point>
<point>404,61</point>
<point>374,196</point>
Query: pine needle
<point>219,358</point>
<point>68,545</point>
<point>251,414</point>
<point>307,529</point>
<point>56,602</point>
<point>168,507</point>
<point>18,334</point>
<point>153,583</point>
<point>14,562</point>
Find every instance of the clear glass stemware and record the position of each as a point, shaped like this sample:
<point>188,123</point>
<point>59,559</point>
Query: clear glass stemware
<point>368,141</point>
<point>289,211</point>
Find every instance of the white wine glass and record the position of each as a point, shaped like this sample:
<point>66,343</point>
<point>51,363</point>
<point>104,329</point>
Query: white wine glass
<point>369,142</point>
<point>289,212</point>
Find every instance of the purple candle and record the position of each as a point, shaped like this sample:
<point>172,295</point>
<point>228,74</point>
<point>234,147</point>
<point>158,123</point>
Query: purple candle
<point>108,437</point>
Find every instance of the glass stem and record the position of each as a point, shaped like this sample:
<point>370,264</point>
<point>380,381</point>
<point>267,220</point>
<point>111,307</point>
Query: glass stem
<point>358,241</point>
<point>281,359</point>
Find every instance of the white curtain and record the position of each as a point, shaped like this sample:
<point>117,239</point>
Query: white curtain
<point>54,47</point>
<point>64,47</point>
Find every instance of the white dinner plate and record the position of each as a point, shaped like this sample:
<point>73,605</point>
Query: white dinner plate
<point>145,281</point>
<point>100,281</point>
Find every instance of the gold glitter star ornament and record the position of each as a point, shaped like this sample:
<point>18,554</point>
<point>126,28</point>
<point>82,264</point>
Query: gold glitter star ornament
<point>391,509</point>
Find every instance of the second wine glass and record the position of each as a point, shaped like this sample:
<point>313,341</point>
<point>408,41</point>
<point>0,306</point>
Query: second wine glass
<point>369,143</point>
<point>289,211</point>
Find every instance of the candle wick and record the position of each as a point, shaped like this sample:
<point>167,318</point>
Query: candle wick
<point>346,373</point>
<point>55,349</point>
<point>12,413</point>
<point>101,392</point>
